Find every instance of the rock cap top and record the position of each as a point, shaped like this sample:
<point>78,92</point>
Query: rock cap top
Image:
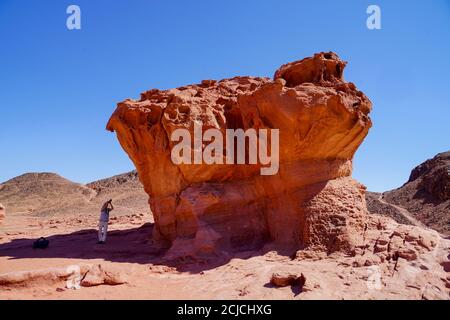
<point>322,67</point>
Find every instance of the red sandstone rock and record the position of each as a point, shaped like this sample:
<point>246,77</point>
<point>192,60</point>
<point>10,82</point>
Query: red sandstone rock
<point>85,275</point>
<point>98,275</point>
<point>287,278</point>
<point>311,201</point>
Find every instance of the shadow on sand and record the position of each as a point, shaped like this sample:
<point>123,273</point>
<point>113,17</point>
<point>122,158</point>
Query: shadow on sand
<point>132,245</point>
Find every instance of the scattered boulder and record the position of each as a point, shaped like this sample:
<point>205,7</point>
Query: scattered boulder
<point>71,277</point>
<point>98,275</point>
<point>287,278</point>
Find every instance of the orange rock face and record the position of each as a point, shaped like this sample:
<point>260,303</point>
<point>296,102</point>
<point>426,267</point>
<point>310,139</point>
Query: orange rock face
<point>311,200</point>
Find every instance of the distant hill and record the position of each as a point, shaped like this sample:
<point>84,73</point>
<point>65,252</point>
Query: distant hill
<point>125,189</point>
<point>423,199</point>
<point>48,194</point>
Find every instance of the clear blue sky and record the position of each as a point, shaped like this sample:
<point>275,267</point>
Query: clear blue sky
<point>59,87</point>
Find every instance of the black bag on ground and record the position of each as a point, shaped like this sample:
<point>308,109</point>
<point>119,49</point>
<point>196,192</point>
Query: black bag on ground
<point>41,243</point>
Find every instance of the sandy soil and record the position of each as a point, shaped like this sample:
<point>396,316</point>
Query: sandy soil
<point>245,275</point>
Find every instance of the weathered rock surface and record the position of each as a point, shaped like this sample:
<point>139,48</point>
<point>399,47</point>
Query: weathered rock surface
<point>98,275</point>
<point>39,277</point>
<point>377,205</point>
<point>424,198</point>
<point>312,200</point>
<point>74,276</point>
<point>287,278</point>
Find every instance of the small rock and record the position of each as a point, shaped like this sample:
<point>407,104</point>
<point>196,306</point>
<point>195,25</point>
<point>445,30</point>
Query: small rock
<point>408,254</point>
<point>98,275</point>
<point>283,279</point>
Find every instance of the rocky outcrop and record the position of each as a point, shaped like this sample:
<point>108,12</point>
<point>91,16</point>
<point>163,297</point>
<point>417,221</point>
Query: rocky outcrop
<point>377,205</point>
<point>72,277</point>
<point>310,201</point>
<point>98,275</point>
<point>433,178</point>
<point>424,198</point>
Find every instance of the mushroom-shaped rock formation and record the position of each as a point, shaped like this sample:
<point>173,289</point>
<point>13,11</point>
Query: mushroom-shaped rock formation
<point>310,201</point>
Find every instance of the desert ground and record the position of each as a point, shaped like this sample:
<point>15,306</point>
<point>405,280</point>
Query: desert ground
<point>130,256</point>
